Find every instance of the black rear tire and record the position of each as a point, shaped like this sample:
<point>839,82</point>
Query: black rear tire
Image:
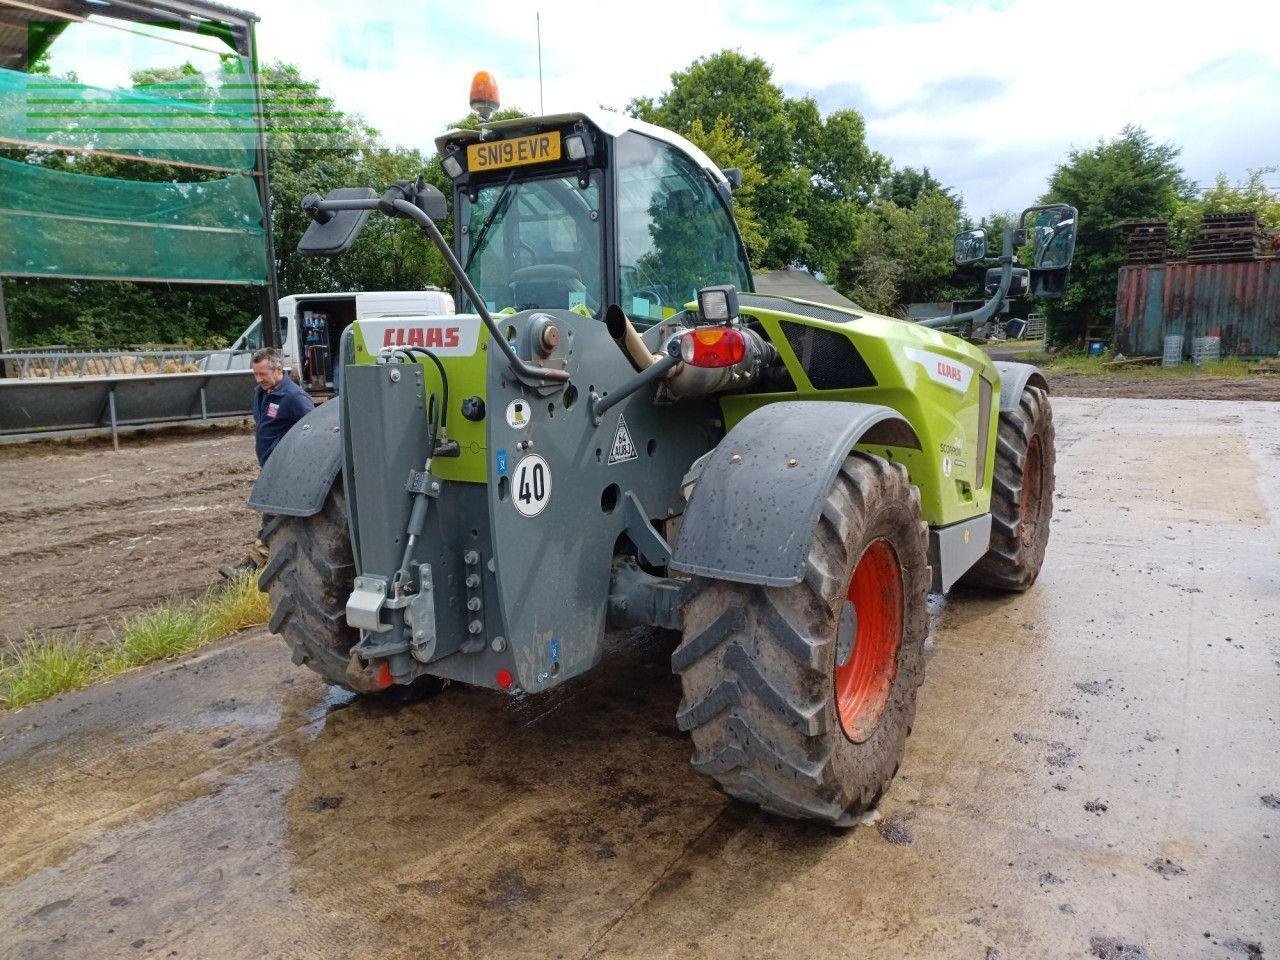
<point>308,576</point>
<point>758,665</point>
<point>1021,497</point>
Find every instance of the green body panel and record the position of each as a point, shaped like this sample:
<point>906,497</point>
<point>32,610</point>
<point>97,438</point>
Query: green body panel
<point>466,379</point>
<point>953,485</point>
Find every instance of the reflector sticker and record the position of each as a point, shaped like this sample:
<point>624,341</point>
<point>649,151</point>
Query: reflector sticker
<point>941,369</point>
<point>623,449</point>
<point>443,336</point>
<point>518,414</point>
<point>532,485</point>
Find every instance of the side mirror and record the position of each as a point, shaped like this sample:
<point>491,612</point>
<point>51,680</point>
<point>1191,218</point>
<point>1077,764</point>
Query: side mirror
<point>332,232</point>
<point>970,247</point>
<point>432,202</point>
<point>1053,231</point>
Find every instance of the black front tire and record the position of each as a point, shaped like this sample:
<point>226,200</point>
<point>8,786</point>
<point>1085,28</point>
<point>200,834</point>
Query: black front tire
<point>1021,497</point>
<point>758,665</point>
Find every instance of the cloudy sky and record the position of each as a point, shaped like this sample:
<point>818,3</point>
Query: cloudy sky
<point>988,95</point>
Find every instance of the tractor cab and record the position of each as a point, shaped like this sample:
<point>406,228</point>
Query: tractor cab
<point>577,211</point>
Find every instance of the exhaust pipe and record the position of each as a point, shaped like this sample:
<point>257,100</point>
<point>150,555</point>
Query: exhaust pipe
<point>628,339</point>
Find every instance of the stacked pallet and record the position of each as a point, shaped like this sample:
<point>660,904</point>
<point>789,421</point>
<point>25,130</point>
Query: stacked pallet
<point>1146,241</point>
<point>1228,237</point>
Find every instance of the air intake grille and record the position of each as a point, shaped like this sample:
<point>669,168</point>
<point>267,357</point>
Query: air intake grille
<point>763,301</point>
<point>829,359</point>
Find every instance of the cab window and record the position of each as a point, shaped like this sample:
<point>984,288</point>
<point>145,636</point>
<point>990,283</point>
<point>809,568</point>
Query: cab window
<point>536,243</point>
<point>674,234</point>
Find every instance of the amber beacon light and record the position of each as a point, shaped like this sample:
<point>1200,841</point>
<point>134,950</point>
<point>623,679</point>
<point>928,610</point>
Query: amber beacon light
<point>484,94</point>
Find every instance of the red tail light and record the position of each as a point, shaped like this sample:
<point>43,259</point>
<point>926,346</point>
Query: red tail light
<point>713,347</point>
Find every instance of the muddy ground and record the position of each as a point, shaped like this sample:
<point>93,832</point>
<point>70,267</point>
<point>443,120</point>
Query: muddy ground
<point>87,534</point>
<point>1065,384</point>
<point>1093,773</point>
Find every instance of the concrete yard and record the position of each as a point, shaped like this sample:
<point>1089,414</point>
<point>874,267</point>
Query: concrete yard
<point>1094,772</point>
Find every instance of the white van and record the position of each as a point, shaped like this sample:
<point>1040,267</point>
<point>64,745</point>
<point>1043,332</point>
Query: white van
<point>311,326</point>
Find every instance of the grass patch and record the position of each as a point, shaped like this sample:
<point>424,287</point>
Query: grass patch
<point>154,635</point>
<point>1094,366</point>
<point>41,667</point>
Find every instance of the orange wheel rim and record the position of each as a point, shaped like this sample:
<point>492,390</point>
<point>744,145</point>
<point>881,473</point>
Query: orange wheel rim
<point>865,672</point>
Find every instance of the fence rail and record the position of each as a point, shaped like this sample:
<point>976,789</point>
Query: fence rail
<point>43,406</point>
<point>65,363</point>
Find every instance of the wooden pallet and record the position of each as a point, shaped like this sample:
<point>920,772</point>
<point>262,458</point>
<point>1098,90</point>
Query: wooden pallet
<point>1228,237</point>
<point>1146,241</point>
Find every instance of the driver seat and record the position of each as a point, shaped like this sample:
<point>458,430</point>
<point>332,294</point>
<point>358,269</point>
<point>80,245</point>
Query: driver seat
<point>544,286</point>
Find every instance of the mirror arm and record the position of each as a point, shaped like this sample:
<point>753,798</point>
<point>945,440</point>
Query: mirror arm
<point>518,366</point>
<point>992,306</point>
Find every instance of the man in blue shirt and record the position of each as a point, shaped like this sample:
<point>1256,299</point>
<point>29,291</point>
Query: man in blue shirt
<point>278,402</point>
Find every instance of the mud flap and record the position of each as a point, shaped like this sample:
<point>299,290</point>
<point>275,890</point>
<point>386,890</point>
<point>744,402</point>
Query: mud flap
<point>755,507</point>
<point>301,469</point>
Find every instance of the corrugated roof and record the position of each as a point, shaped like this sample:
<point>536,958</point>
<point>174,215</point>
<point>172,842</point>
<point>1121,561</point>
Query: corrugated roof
<point>802,285</point>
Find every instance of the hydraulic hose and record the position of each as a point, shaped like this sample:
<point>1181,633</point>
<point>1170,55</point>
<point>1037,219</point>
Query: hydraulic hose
<point>520,366</point>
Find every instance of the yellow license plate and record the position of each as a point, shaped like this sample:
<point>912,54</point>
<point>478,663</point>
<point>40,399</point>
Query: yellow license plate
<point>539,148</point>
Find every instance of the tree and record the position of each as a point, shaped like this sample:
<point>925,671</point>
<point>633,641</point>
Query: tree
<point>814,174</point>
<point>1128,178</point>
<point>903,254</point>
<point>728,150</point>
<point>1250,195</point>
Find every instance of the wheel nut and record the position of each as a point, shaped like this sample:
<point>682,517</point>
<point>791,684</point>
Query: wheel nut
<point>475,626</point>
<point>473,581</point>
<point>471,557</point>
<point>473,603</point>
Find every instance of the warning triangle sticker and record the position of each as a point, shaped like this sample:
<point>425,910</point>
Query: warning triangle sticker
<point>623,449</point>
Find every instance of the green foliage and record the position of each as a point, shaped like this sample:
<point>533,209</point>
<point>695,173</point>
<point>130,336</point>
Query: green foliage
<point>903,248</point>
<point>38,669</point>
<point>42,667</point>
<point>727,149</point>
<point>1250,195</point>
<point>814,174</point>
<point>1128,178</point>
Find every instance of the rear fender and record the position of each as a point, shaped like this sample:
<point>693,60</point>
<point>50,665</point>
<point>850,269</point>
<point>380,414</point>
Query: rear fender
<point>301,469</point>
<point>1014,378</point>
<point>758,497</point>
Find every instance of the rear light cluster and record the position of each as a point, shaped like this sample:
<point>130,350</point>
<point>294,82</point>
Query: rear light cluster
<point>713,347</point>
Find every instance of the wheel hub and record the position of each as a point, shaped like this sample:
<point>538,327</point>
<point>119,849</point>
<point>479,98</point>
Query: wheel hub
<point>865,674</point>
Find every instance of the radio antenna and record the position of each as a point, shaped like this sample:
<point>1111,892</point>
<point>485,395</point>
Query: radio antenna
<point>538,20</point>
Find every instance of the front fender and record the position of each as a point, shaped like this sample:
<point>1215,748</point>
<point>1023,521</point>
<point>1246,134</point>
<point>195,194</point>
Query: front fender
<point>1014,378</point>
<point>298,474</point>
<point>757,502</point>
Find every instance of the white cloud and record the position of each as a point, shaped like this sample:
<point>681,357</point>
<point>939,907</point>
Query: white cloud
<point>989,98</point>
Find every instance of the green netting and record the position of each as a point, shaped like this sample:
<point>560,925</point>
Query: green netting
<point>204,120</point>
<point>59,224</point>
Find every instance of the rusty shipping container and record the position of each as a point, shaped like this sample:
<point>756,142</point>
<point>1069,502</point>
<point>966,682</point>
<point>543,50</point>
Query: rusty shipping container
<point>1239,302</point>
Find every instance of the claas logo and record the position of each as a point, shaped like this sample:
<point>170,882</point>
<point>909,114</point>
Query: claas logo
<point>421,337</point>
<point>950,371</point>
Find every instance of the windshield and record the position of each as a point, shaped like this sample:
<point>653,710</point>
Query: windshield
<point>535,243</point>
<point>674,234</point>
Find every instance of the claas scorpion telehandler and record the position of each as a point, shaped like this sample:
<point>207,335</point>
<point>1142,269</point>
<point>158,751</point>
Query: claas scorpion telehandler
<point>618,431</point>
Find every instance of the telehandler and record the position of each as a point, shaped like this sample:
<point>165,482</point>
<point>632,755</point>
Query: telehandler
<point>617,430</point>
